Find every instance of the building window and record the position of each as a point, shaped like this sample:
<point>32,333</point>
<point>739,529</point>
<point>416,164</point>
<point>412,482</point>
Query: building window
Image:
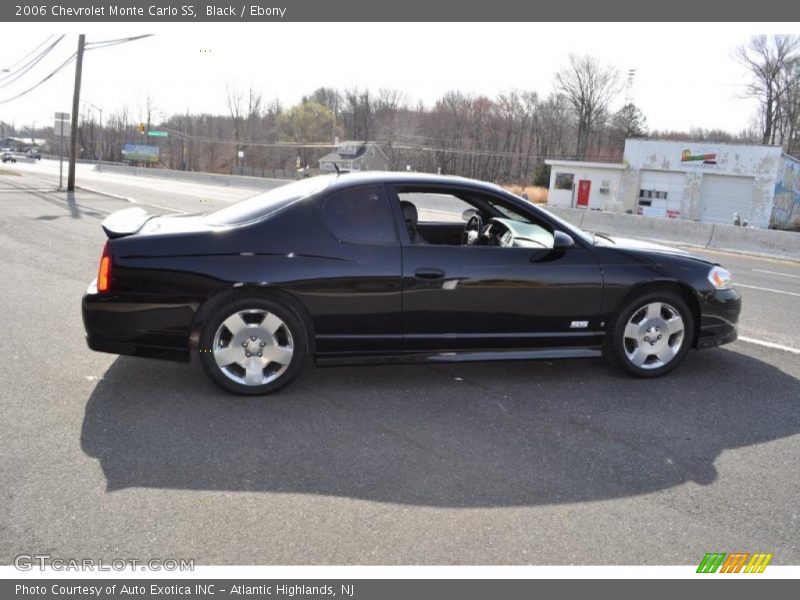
<point>564,181</point>
<point>647,195</point>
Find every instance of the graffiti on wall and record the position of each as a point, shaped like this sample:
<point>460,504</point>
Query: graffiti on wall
<point>786,209</point>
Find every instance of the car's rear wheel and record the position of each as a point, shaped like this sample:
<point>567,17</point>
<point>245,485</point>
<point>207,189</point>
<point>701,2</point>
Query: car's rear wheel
<point>253,346</point>
<point>651,333</point>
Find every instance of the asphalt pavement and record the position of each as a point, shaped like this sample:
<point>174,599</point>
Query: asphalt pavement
<point>544,462</point>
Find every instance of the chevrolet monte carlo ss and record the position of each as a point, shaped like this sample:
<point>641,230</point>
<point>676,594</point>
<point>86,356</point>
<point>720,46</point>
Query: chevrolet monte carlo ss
<point>394,267</point>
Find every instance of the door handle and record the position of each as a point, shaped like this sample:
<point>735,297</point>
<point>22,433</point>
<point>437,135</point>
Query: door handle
<point>426,273</point>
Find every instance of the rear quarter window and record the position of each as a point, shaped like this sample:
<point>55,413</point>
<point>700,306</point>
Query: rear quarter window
<point>361,215</point>
<point>264,204</point>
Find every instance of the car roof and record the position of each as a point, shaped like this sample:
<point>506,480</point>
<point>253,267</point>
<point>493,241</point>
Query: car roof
<point>410,178</point>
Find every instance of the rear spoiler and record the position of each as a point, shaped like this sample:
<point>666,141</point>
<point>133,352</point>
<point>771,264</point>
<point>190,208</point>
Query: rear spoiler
<point>125,222</point>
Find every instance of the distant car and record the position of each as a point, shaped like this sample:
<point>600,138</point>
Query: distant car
<point>343,269</point>
<point>8,156</point>
<point>34,154</point>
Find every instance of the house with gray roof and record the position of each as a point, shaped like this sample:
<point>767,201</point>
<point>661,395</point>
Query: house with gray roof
<point>355,156</point>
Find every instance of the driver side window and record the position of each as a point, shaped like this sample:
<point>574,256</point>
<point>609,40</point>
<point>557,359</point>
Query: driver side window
<point>436,207</point>
<point>469,218</point>
<point>433,216</point>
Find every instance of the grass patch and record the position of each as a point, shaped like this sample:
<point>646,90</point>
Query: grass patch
<point>7,172</point>
<point>535,193</point>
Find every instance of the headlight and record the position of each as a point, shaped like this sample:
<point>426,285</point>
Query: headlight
<point>720,278</point>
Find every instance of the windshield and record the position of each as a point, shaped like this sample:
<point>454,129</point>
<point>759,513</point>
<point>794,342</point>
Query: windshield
<point>267,203</point>
<point>568,227</point>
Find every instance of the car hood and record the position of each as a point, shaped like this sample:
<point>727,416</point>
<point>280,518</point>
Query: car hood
<point>632,244</point>
<point>646,248</point>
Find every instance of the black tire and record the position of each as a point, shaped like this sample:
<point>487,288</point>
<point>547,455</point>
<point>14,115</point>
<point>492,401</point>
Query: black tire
<point>292,334</point>
<point>621,349</point>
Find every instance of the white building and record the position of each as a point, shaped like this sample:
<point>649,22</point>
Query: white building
<point>595,186</point>
<point>683,180</point>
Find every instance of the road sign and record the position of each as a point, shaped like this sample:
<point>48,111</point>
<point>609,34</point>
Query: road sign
<point>61,124</point>
<point>60,128</point>
<point>157,134</point>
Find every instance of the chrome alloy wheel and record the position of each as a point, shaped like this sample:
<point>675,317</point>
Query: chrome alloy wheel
<point>253,347</point>
<point>653,335</point>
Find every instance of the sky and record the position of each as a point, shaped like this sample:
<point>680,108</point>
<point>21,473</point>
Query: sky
<point>686,74</point>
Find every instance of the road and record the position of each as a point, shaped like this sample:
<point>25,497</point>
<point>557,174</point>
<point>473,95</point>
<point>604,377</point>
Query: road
<point>182,196</point>
<point>499,463</point>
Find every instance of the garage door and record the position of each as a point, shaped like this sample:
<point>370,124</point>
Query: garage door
<point>721,196</point>
<point>661,193</point>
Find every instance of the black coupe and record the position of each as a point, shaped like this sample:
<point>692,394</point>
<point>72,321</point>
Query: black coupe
<point>389,267</point>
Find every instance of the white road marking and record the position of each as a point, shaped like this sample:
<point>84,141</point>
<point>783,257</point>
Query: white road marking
<point>767,344</point>
<point>777,273</point>
<point>763,289</point>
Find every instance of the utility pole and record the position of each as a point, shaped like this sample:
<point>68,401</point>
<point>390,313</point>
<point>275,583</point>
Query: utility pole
<point>76,99</point>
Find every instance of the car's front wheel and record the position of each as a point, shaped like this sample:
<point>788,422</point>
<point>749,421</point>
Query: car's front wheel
<point>651,333</point>
<point>253,346</point>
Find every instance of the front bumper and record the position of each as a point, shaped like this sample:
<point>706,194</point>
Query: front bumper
<point>719,316</point>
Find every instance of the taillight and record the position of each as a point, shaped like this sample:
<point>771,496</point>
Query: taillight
<point>104,273</point>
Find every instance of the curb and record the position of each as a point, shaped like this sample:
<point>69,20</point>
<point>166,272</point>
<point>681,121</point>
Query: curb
<point>128,199</point>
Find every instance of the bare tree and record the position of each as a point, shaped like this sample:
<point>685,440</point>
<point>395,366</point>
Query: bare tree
<point>244,113</point>
<point>358,113</point>
<point>589,87</point>
<point>328,97</point>
<point>768,58</point>
<point>789,117</point>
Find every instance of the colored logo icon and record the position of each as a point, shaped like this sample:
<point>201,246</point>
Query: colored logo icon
<point>734,562</point>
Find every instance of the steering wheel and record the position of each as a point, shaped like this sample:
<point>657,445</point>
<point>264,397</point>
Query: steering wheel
<point>472,230</point>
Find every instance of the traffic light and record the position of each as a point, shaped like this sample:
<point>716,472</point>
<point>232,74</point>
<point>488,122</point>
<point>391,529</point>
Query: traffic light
<point>140,128</point>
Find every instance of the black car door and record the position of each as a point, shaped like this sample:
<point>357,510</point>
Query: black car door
<point>472,296</point>
<point>352,284</point>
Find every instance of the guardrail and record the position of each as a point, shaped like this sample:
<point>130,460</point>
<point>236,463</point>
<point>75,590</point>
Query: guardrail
<point>245,181</point>
<point>750,240</point>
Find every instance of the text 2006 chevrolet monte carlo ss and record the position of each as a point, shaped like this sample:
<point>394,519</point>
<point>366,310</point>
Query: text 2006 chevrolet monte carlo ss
<point>394,267</point>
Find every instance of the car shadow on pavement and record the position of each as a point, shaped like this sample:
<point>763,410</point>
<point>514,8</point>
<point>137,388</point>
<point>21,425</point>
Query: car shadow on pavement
<point>466,435</point>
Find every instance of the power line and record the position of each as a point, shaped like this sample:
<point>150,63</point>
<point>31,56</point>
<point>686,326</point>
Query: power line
<point>106,43</point>
<point>245,143</point>
<point>36,85</point>
<point>65,63</point>
<point>32,63</point>
<point>24,58</point>
<point>318,145</point>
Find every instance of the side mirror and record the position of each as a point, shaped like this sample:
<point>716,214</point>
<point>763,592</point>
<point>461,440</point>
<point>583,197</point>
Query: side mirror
<point>468,214</point>
<point>562,241</point>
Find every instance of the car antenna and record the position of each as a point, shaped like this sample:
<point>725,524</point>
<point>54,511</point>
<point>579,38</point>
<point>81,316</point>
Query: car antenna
<point>335,166</point>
